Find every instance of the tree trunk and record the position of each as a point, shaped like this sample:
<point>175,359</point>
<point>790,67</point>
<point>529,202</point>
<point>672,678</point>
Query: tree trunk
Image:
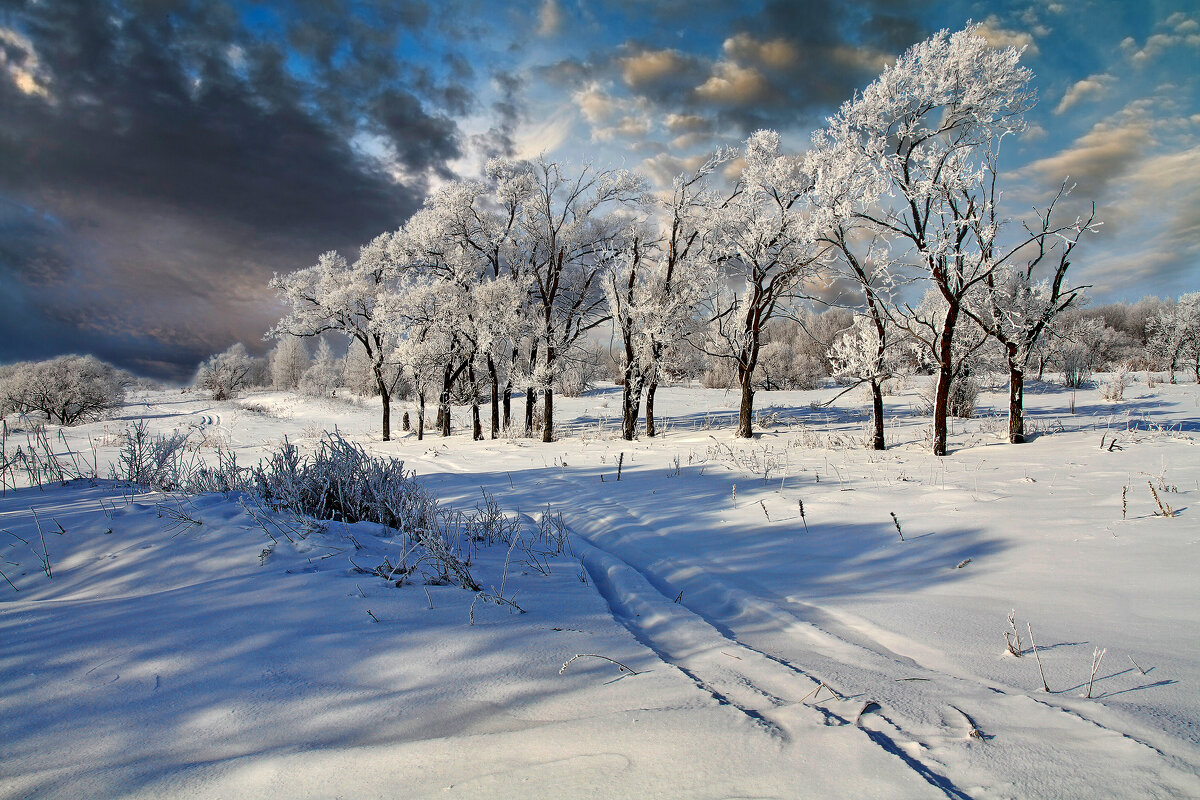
<point>507,419</point>
<point>651,431</point>
<point>746,411</point>
<point>495,385</point>
<point>631,396</point>
<point>476,425</point>
<point>877,414</point>
<point>387,406</point>
<point>444,402</point>
<point>548,402</point>
<point>530,396</point>
<point>420,415</point>
<point>941,397</point>
<point>1016,404</point>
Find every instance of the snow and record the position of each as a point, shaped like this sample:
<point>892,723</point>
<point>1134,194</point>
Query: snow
<point>770,659</point>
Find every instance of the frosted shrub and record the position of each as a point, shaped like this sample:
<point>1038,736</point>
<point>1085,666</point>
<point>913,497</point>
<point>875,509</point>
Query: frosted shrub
<point>340,481</point>
<point>225,375</point>
<point>964,391</point>
<point>69,390</point>
<point>1114,389</point>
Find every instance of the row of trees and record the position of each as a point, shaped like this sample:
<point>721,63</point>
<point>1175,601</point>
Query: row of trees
<point>499,281</point>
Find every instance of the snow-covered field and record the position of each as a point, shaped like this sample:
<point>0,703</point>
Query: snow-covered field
<point>769,652</point>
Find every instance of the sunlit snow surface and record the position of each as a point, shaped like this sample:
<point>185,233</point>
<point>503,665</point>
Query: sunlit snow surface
<point>165,660</point>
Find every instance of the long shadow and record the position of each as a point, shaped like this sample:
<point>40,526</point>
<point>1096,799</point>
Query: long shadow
<point>675,531</point>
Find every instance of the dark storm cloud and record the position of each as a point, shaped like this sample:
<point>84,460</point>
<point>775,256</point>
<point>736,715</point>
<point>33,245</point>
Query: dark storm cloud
<point>783,63</point>
<point>181,153</point>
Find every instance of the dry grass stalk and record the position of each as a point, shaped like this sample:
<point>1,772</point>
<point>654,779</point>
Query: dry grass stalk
<point>1164,509</point>
<point>1045,686</point>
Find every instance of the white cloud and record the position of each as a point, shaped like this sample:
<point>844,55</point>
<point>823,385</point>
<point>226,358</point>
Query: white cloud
<point>25,71</point>
<point>550,18</point>
<point>773,53</point>
<point>732,84</point>
<point>1093,85</point>
<point>1177,30</point>
<point>999,36</point>
<point>531,139</point>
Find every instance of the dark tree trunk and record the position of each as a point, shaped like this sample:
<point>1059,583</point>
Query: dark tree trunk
<point>877,414</point>
<point>476,424</point>
<point>745,429</point>
<point>548,402</point>
<point>495,404</point>
<point>386,396</point>
<point>444,402</point>
<point>530,396</point>
<point>631,397</point>
<point>548,422</point>
<point>1016,404</point>
<point>507,420</point>
<point>420,415</point>
<point>651,430</point>
<point>941,397</point>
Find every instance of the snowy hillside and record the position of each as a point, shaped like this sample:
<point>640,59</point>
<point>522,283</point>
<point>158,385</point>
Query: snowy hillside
<point>787,616</point>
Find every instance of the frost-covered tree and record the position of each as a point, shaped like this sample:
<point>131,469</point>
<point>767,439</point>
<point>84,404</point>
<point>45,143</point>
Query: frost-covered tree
<point>865,355</point>
<point>226,374</point>
<point>324,375</point>
<point>334,295</point>
<point>288,361</point>
<point>567,222</point>
<point>1173,334</point>
<point>920,148</point>
<point>69,390</point>
<point>1015,306</point>
<point>357,375</point>
<point>657,274</point>
<point>765,242</point>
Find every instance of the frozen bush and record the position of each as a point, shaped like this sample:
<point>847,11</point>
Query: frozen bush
<point>69,389</point>
<point>288,362</point>
<point>226,374</point>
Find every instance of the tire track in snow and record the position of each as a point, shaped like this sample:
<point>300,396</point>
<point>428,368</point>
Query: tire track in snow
<point>911,719</point>
<point>763,687</point>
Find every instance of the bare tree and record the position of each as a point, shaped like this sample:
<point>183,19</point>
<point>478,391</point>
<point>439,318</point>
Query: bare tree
<point>923,141</point>
<point>337,296</point>
<point>765,242</point>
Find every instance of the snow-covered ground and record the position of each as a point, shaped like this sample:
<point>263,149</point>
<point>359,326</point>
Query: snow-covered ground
<point>773,653</point>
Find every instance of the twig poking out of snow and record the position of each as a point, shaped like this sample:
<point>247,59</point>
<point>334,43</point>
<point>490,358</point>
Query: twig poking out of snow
<point>973,729</point>
<point>815,693</point>
<point>893,513</point>
<point>1045,686</point>
<point>1164,510</point>
<point>1012,637</point>
<point>1097,657</point>
<point>621,666</point>
<point>1139,669</point>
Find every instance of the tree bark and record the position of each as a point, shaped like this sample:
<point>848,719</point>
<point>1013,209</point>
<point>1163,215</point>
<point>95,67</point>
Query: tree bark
<point>941,398</point>
<point>1016,404</point>
<point>444,402</point>
<point>420,415</point>
<point>548,402</point>
<point>495,404</point>
<point>631,397</point>
<point>651,431</point>
<point>746,410</point>
<point>548,422</point>
<point>386,396</point>
<point>877,414</point>
<point>476,426</point>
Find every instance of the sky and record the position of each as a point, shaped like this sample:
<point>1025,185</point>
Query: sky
<point>161,159</point>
